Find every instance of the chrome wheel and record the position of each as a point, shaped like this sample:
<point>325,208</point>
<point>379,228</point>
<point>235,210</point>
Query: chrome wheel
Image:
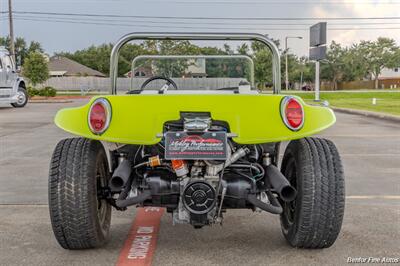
<point>21,97</point>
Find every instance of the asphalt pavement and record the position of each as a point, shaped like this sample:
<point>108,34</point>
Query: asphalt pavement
<point>370,150</point>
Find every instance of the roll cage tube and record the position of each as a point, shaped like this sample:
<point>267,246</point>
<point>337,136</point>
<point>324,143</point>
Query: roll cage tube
<point>276,73</point>
<point>236,56</point>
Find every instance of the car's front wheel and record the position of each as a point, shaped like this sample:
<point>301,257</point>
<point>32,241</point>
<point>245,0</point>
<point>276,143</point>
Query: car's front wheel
<point>22,98</point>
<point>314,218</point>
<point>80,217</point>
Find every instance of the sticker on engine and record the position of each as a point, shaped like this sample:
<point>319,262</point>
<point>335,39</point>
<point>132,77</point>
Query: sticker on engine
<point>195,146</point>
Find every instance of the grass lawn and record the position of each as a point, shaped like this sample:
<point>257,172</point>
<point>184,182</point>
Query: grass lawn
<point>386,102</point>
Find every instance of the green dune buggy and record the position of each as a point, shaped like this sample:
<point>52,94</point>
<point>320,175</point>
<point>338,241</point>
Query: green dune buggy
<point>196,153</point>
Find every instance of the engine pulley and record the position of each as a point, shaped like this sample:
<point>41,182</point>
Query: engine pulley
<point>199,197</point>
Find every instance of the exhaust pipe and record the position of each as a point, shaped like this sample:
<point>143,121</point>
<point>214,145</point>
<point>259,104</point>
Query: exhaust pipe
<point>121,175</point>
<point>274,206</point>
<point>123,203</point>
<point>281,185</point>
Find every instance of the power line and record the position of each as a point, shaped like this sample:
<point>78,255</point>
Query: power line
<point>212,23</point>
<point>278,2</point>
<point>137,25</point>
<point>334,2</point>
<point>190,27</point>
<point>205,18</point>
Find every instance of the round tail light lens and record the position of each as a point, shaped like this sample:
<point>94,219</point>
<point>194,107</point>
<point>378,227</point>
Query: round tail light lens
<point>292,113</point>
<point>99,116</point>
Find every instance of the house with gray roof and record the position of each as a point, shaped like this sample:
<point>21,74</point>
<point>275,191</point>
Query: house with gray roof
<point>60,66</point>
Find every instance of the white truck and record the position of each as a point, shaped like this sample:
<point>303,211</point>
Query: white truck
<point>12,86</point>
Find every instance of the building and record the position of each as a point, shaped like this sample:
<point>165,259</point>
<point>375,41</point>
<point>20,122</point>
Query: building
<point>60,66</point>
<point>140,72</point>
<point>391,73</point>
<point>196,68</point>
<point>390,78</point>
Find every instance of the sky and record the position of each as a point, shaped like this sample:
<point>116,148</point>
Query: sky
<point>69,33</point>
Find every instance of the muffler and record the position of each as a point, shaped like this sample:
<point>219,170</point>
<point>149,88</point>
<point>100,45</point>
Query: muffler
<point>280,184</point>
<point>121,175</point>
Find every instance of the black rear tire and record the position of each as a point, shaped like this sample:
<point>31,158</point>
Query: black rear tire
<point>79,217</point>
<point>22,98</point>
<point>314,219</point>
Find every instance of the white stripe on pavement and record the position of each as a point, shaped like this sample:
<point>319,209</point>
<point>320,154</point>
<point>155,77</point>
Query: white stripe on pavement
<point>374,197</point>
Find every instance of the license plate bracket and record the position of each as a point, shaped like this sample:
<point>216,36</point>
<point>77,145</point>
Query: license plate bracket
<point>184,145</point>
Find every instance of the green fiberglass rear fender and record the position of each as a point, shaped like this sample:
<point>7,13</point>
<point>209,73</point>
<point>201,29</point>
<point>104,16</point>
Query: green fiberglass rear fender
<point>138,119</point>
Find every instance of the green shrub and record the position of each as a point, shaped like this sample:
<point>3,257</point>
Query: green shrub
<point>32,91</point>
<point>35,68</point>
<point>45,92</point>
<point>48,92</point>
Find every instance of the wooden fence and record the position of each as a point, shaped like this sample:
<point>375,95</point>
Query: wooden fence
<point>86,84</point>
<point>352,85</point>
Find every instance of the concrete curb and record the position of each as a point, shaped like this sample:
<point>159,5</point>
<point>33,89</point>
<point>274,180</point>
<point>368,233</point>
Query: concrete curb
<point>388,117</point>
<point>50,101</point>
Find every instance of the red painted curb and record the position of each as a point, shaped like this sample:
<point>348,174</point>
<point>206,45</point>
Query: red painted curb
<point>141,243</point>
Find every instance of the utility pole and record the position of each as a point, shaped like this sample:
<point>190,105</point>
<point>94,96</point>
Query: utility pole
<point>10,18</point>
<point>286,60</point>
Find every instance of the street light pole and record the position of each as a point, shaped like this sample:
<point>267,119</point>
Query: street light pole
<point>316,81</point>
<point>286,59</point>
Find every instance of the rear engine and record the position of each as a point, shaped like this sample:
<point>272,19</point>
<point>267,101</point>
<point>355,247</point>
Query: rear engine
<point>197,172</point>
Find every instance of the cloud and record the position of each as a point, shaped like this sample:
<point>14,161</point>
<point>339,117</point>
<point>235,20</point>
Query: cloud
<point>357,9</point>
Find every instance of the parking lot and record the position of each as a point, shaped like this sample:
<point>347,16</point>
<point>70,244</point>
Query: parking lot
<point>370,149</point>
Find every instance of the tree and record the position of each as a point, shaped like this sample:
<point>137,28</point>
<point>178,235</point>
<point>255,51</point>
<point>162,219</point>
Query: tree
<point>343,64</point>
<point>378,55</point>
<point>302,70</point>
<point>354,67</point>
<point>262,58</point>
<point>334,68</point>
<point>243,49</point>
<point>174,67</point>
<point>214,67</point>
<point>34,47</point>
<point>98,57</point>
<point>228,49</point>
<point>35,68</point>
<point>21,48</point>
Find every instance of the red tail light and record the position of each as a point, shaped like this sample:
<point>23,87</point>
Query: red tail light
<point>292,113</point>
<point>99,116</point>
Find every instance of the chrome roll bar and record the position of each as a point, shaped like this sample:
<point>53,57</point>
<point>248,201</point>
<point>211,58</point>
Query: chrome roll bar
<point>276,72</point>
<point>235,56</point>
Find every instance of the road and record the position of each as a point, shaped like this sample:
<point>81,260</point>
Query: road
<point>370,151</point>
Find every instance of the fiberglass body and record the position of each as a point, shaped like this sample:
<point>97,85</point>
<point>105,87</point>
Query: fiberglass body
<point>139,119</point>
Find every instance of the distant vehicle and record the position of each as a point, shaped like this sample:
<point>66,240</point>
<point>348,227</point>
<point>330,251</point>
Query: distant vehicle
<point>12,86</point>
<point>306,88</point>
